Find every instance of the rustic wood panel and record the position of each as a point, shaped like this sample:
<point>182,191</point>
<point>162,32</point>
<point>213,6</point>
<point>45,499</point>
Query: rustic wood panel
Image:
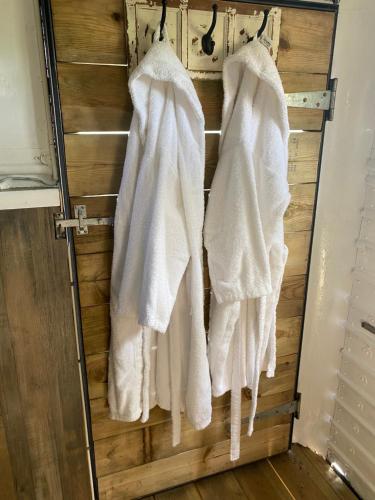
<point>191,465</point>
<point>7,485</point>
<point>93,31</point>
<point>89,30</point>
<point>97,373</point>
<point>221,486</point>
<point>305,41</point>
<point>96,331</point>
<point>120,452</point>
<point>303,475</point>
<point>41,400</point>
<point>186,492</point>
<point>124,451</point>
<point>297,218</point>
<point>97,266</point>
<point>104,427</point>
<point>261,481</point>
<point>99,239</point>
<point>96,98</point>
<point>299,214</point>
<point>95,162</point>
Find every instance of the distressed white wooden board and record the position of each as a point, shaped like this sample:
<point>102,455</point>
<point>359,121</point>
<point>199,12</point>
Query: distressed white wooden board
<point>185,29</point>
<point>199,22</point>
<point>246,27</point>
<point>143,21</point>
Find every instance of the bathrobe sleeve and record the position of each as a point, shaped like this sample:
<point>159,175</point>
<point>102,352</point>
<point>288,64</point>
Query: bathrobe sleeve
<point>249,193</point>
<point>157,250</point>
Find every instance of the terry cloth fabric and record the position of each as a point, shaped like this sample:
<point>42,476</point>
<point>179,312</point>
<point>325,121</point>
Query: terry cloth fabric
<point>158,352</point>
<point>244,233</point>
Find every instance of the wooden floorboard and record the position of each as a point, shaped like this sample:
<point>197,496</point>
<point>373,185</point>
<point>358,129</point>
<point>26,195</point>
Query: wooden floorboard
<point>297,474</point>
<point>221,486</point>
<point>259,481</point>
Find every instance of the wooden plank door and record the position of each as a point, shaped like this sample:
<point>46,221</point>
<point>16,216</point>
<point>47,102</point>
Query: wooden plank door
<point>135,459</point>
<point>43,449</point>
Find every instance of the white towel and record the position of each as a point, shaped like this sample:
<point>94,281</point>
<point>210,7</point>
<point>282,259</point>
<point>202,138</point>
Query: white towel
<point>158,351</point>
<point>244,228</point>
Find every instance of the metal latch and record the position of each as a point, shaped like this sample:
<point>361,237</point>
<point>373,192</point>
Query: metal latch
<point>322,99</point>
<point>81,222</point>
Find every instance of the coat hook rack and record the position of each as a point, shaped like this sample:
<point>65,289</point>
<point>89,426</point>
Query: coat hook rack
<point>263,25</point>
<point>162,20</point>
<point>208,44</point>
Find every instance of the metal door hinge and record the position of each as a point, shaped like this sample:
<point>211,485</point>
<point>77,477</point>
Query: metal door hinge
<point>81,222</point>
<point>322,99</point>
<point>291,408</point>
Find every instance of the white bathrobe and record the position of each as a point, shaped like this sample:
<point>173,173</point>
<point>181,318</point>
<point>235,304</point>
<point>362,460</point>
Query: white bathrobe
<point>243,231</point>
<point>158,351</point>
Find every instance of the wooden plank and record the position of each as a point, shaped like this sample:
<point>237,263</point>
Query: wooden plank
<point>7,486</point>
<point>299,214</point>
<point>301,477</point>
<point>220,486</point>
<point>93,31</point>
<point>304,151</point>
<point>96,326</point>
<point>95,162</point>
<point>190,465</point>
<point>93,267</point>
<point>97,374</point>
<point>116,453</point>
<point>94,293</point>
<point>104,427</point>
<point>96,331</point>
<point>123,451</point>
<point>292,297</point>
<point>96,98</point>
<point>186,492</point>
<point>98,239</point>
<point>259,480</point>
<point>41,402</point>
<point>327,474</point>
<point>298,245</point>
<point>305,41</point>
<point>217,431</point>
<point>97,266</point>
<point>89,31</point>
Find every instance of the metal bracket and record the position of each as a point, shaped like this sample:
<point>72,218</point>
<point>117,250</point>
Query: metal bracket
<point>287,409</point>
<point>81,222</point>
<point>292,408</point>
<point>322,99</point>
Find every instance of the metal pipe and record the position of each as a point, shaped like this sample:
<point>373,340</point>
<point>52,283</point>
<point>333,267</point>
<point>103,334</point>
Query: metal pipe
<point>297,4</point>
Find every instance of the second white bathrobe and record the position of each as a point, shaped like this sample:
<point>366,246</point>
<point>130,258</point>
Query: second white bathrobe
<point>244,228</point>
<point>158,351</point>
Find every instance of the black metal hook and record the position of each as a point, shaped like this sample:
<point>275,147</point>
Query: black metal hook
<point>263,25</point>
<point>162,20</point>
<point>208,44</point>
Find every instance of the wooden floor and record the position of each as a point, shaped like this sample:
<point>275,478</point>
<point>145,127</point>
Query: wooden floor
<point>297,474</point>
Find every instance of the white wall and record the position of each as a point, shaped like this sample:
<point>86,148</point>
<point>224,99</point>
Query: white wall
<point>27,158</point>
<point>347,147</point>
